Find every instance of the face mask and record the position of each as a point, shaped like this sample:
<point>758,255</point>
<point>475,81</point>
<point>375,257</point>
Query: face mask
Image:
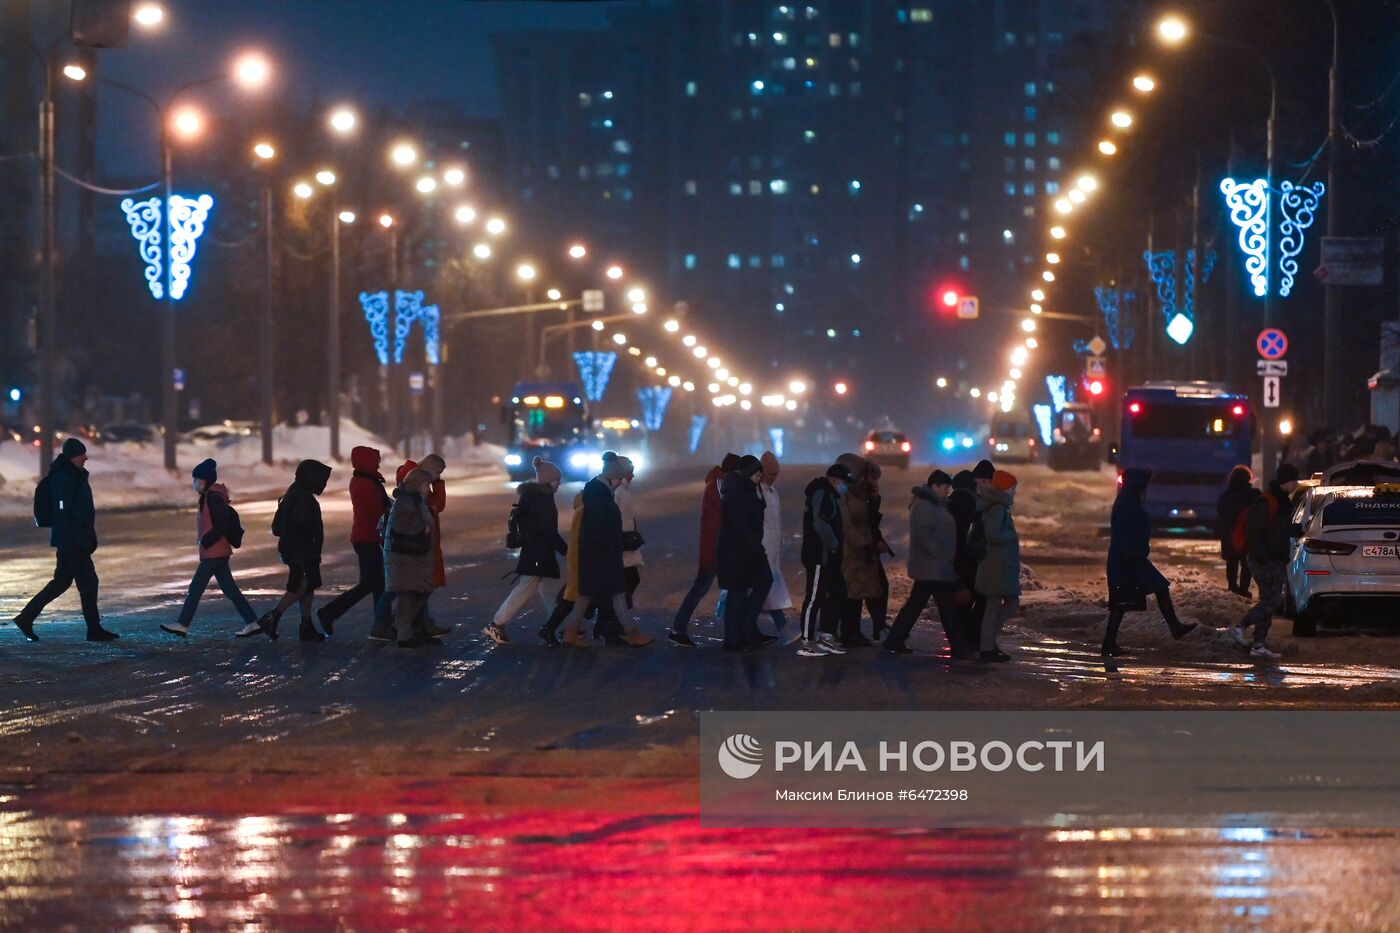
<point>199,485</point>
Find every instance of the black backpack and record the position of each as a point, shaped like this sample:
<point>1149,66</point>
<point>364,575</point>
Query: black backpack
<point>43,502</point>
<point>977,547</point>
<point>233,527</point>
<point>277,521</point>
<point>515,534</point>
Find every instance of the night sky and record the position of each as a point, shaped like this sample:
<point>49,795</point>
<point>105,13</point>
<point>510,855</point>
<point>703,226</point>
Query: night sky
<point>371,51</point>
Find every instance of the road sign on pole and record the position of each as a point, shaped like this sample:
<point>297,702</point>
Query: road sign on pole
<point>1097,346</point>
<point>1095,367</point>
<point>1272,343</point>
<point>593,300</point>
<point>968,307</point>
<point>1271,391</point>
<point>1271,367</point>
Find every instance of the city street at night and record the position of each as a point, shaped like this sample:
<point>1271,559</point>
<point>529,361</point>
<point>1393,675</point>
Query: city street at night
<point>699,465</point>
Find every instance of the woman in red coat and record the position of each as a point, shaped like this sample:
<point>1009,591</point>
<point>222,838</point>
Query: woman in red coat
<point>369,503</point>
<point>711,516</point>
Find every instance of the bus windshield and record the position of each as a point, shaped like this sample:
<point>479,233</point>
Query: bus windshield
<point>542,424</point>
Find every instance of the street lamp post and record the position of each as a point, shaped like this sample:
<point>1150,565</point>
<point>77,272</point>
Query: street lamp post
<point>48,312</point>
<point>333,335</point>
<point>1331,307</point>
<point>266,371</point>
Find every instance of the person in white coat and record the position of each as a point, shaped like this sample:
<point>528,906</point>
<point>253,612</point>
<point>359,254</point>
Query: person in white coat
<point>632,542</point>
<point>779,599</point>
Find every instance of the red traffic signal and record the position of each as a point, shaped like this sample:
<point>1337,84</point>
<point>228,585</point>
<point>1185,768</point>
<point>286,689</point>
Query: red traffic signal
<point>1095,387</point>
<point>949,297</point>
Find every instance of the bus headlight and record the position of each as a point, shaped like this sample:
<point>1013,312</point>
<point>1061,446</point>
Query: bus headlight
<point>514,460</point>
<point>579,461</point>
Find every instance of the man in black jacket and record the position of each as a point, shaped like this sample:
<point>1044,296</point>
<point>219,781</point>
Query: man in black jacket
<point>743,564</point>
<point>74,540</point>
<point>537,517</point>
<point>1267,526</point>
<point>962,503</point>
<point>821,559</point>
<point>300,535</point>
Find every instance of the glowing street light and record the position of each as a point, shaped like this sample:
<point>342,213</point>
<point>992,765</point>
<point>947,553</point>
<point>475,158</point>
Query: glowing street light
<point>1108,147</point>
<point>1048,276</point>
<point>187,123</point>
<point>303,190</point>
<point>1121,119</point>
<point>554,294</point>
<point>578,251</point>
<point>343,120</point>
<point>347,217</point>
<point>1028,326</point>
<point>455,177</point>
<point>700,352</point>
<point>614,272</point>
<point>1057,232</point>
<point>1144,83</point>
<point>620,339</point>
<point>941,382</point>
<point>1036,307</point>
<point>1087,183</point>
<point>403,154</point>
<point>252,70</point>
<point>148,15</point>
<point>1172,29</point>
<point>1032,343</point>
<point>840,388</point>
<point>639,307</point>
<point>525,272</point>
<point>265,151</point>
<point>689,340</point>
<point>426,185</point>
<point>496,226</point>
<point>1077,196</point>
<point>74,72</point>
<point>482,251</point>
<point>1019,357</point>
<point>797,387</point>
<point>386,220</point>
<point>1052,258</point>
<point>464,214</point>
<point>325,177</point>
<point>975,392</point>
<point>1037,294</point>
<point>1063,205</point>
<point>672,326</point>
<point>650,362</point>
<point>636,294</point>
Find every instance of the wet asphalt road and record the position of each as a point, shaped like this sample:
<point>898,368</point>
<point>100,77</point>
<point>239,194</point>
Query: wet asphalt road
<point>220,782</point>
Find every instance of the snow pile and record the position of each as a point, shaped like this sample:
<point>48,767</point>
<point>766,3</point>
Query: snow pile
<point>132,476</point>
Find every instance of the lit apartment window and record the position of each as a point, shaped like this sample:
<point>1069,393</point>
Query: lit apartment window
<point>585,100</point>
<point>962,237</point>
<point>622,146</point>
<point>1053,163</point>
<point>834,40</point>
<point>1030,88</point>
<point>810,12</point>
<point>1010,189</point>
<point>964,262</point>
<point>809,136</point>
<point>691,88</point>
<point>964,213</point>
<point>690,260</point>
<point>921,16</point>
<point>853,39</point>
<point>1009,139</point>
<point>1028,189</point>
<point>735,188</point>
<point>780,38</point>
<point>1052,187</point>
<point>1052,138</point>
<point>755,262</point>
<point>789,64</point>
<point>690,186</point>
<point>755,187</point>
<point>1008,165</point>
<point>734,261</point>
<point>779,260</point>
<point>1029,114</point>
<point>778,186</point>
<point>1029,140</point>
<point>1029,165</point>
<point>853,186</point>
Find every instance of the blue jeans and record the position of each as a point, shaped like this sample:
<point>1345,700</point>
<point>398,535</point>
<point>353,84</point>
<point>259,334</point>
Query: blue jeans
<point>218,568</point>
<point>703,581</point>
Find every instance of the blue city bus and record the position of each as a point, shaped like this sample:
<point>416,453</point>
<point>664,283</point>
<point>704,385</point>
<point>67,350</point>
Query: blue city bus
<point>550,420</point>
<point>1190,434</point>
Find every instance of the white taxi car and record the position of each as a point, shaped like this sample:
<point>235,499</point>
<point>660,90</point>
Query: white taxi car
<point>1348,552</point>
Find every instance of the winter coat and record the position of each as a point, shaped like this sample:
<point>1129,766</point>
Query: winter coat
<point>1233,502</point>
<point>408,573</point>
<point>595,554</point>
<point>302,532</point>
<point>437,501</point>
<point>539,523</point>
<point>933,537</point>
<point>743,564</point>
<point>962,505</point>
<point>821,522</point>
<point>368,499</point>
<point>74,515</point>
<point>778,596</point>
<point>623,497</point>
<point>710,516</point>
<point>860,561</point>
<point>999,573</point>
<point>211,523</point>
<point>1131,574</point>
<point>1268,527</point>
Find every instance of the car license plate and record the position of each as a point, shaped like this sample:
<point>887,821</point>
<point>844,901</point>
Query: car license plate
<point>1378,550</point>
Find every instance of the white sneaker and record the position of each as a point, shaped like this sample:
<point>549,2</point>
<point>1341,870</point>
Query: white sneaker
<point>830,643</point>
<point>496,634</point>
<point>812,649</point>
<point>247,631</point>
<point>1237,633</point>
<point>1262,651</point>
<point>175,628</point>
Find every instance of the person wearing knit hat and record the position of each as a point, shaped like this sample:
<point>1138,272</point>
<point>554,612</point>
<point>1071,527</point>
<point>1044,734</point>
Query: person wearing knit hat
<point>962,504</point>
<point>369,504</point>
<point>217,533</point>
<point>983,472</point>
<point>999,572</point>
<point>743,566</point>
<point>932,552</point>
<point>536,519</point>
<point>69,512</point>
<point>614,468</point>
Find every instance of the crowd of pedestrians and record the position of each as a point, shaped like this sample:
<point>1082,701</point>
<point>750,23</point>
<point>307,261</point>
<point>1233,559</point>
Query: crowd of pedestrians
<point>964,555</point>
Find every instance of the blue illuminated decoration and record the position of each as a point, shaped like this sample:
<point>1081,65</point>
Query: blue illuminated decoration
<point>1249,210</point>
<point>376,308</point>
<point>1081,347</point>
<point>408,308</point>
<point>776,441</point>
<point>1120,329</point>
<point>1180,328</point>
<point>1162,267</point>
<point>654,401</point>
<point>1043,416</point>
<point>1297,205</point>
<point>1059,389</point>
<point>697,431</point>
<point>594,369</point>
<point>187,219</point>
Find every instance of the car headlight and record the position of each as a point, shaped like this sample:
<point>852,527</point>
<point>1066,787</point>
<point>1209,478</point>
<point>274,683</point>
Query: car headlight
<point>578,461</point>
<point>595,463</point>
<point>637,462</point>
<point>514,460</point>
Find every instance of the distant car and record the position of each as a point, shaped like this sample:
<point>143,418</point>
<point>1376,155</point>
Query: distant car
<point>889,448</point>
<point>129,433</point>
<point>1012,440</point>
<point>1348,552</point>
<point>224,430</point>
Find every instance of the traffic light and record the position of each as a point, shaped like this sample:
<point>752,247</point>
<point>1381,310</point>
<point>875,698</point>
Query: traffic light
<point>1095,387</point>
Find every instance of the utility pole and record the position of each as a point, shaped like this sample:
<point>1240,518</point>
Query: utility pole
<point>333,334</point>
<point>266,371</point>
<point>169,397</point>
<point>48,312</point>
<point>1332,396</point>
